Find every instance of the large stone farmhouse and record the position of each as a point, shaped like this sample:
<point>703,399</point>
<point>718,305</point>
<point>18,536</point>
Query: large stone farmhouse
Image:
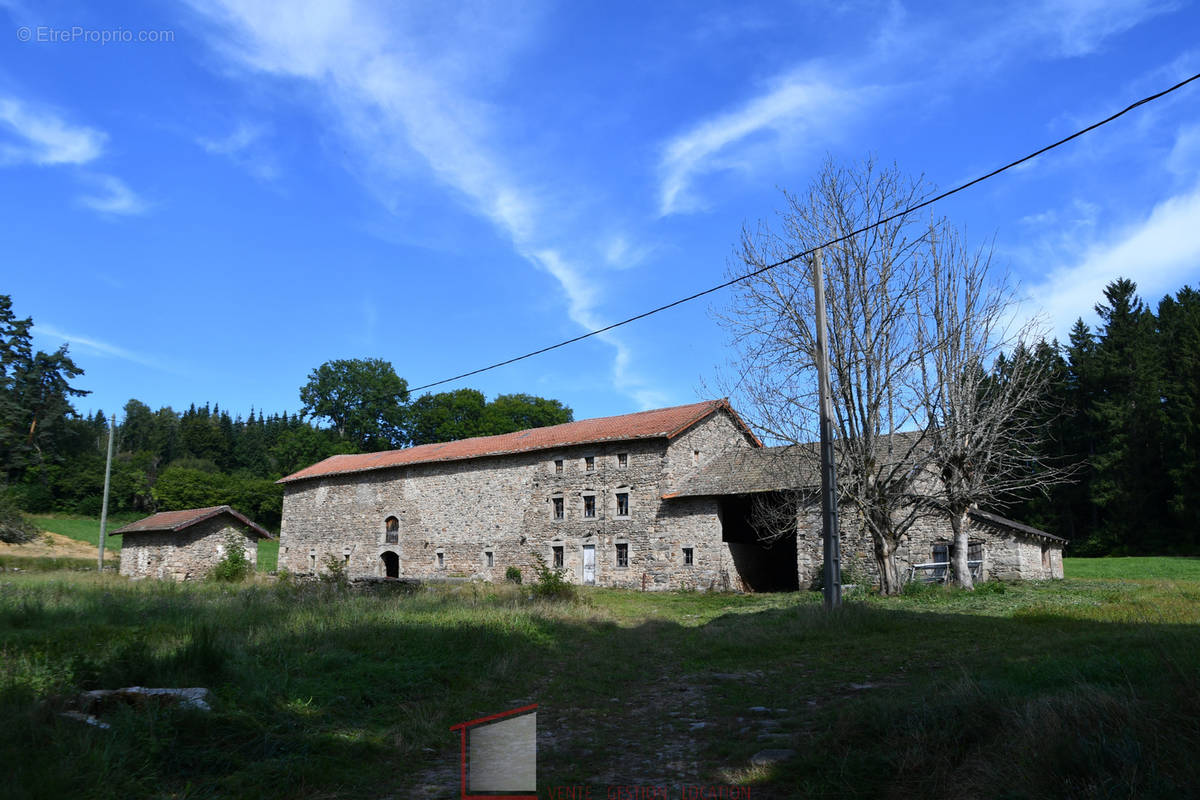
<point>652,500</point>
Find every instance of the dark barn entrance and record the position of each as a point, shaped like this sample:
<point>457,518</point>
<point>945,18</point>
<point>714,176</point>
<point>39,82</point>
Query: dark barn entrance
<point>391,564</point>
<point>764,566</point>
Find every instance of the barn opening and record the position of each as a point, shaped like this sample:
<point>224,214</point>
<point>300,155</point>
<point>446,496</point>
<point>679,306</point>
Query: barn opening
<point>764,563</point>
<point>391,564</point>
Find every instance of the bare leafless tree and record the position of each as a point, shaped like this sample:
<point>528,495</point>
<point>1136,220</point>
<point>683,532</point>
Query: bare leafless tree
<point>873,281</point>
<point>981,383</point>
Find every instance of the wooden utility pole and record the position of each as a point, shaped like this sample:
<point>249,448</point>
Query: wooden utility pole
<point>112,432</point>
<point>829,521</point>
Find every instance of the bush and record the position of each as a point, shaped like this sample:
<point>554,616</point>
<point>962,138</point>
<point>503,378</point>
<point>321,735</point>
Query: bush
<point>552,582</point>
<point>513,575</point>
<point>334,575</point>
<point>14,528</point>
<point>235,565</point>
<point>852,575</point>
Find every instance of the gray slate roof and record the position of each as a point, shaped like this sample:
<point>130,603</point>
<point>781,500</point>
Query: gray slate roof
<point>749,470</point>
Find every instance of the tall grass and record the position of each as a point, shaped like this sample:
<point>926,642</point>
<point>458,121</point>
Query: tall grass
<point>1065,689</point>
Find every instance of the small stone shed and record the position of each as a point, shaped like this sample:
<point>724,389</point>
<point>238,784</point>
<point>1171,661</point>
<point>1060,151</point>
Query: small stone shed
<point>185,545</point>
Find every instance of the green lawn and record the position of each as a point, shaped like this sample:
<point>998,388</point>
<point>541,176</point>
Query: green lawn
<point>268,554</point>
<point>85,529</point>
<point>1079,688</point>
<point>1134,568</point>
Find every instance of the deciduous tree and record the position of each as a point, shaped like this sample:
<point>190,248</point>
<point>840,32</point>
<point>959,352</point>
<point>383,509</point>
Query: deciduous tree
<point>872,282</point>
<point>982,386</point>
<point>363,398</point>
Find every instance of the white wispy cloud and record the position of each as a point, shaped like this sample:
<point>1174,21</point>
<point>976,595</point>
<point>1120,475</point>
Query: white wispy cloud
<point>1080,27</point>
<point>98,347</point>
<point>244,146</point>
<point>1157,252</point>
<point>806,107</point>
<point>41,136</point>
<point>799,107</point>
<point>405,99</point>
<point>112,195</point>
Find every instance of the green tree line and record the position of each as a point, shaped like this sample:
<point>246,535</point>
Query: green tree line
<point>53,457</point>
<point>1125,408</point>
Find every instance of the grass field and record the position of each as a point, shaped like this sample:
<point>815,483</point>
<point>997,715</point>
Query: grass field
<point>85,529</point>
<point>1079,688</point>
<point>1133,568</point>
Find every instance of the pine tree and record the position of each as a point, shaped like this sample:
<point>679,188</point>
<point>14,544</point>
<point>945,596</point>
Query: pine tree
<point>1128,416</point>
<point>1179,345</point>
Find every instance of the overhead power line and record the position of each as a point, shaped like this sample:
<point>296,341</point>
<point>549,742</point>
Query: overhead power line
<point>804,253</point>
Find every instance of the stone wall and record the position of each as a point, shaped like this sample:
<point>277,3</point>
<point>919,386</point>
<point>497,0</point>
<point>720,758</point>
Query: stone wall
<point>186,555</point>
<point>452,515</point>
<point>1008,554</point>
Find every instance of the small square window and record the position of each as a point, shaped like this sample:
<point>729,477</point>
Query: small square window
<point>441,560</point>
<point>589,463</point>
<point>488,559</point>
<point>558,556</point>
<point>622,554</point>
<point>622,460</point>
<point>689,556</point>
<point>622,504</point>
<point>558,465</point>
<point>558,507</point>
<point>589,506</point>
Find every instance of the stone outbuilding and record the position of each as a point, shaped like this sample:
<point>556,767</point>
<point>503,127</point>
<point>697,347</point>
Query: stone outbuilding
<point>185,545</point>
<point>659,499</point>
<point>748,480</point>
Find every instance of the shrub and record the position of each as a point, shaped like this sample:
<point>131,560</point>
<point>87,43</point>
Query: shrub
<point>513,575</point>
<point>993,586</point>
<point>235,565</point>
<point>552,582</point>
<point>14,528</point>
<point>852,574</point>
<point>922,589</point>
<point>334,575</point>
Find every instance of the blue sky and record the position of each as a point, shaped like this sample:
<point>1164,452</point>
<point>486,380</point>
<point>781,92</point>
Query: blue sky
<point>209,216</point>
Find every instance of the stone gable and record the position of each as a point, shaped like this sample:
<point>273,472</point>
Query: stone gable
<point>188,554</point>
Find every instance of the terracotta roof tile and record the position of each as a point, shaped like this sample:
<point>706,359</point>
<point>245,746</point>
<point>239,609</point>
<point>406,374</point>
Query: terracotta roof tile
<point>659,423</point>
<point>178,520</point>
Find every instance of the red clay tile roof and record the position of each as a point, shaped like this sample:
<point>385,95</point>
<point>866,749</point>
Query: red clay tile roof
<point>659,423</point>
<point>178,520</point>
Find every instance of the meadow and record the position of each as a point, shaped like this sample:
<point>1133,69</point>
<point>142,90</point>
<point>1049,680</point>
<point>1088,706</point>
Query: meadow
<point>1088,687</point>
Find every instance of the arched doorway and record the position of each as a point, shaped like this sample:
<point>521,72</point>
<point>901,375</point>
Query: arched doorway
<point>391,564</point>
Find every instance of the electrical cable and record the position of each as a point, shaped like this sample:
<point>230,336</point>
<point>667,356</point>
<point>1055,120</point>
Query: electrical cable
<point>796,256</point>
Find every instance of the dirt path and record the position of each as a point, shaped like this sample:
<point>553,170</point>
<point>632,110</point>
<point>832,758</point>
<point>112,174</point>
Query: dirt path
<point>53,545</point>
<point>646,738</point>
